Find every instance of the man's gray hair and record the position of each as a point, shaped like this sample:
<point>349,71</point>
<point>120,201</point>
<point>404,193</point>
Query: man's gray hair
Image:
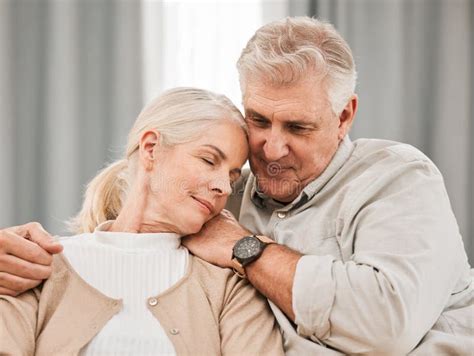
<point>285,51</point>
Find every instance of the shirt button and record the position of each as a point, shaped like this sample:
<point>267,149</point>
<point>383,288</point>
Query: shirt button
<point>152,301</point>
<point>281,214</point>
<point>174,331</point>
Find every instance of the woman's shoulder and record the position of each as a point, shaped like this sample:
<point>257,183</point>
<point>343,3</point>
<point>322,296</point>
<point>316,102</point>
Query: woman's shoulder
<point>214,279</point>
<point>61,265</point>
<point>72,239</point>
<point>204,268</point>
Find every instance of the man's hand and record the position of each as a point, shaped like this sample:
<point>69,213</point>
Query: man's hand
<point>216,239</point>
<point>25,257</point>
<point>272,274</point>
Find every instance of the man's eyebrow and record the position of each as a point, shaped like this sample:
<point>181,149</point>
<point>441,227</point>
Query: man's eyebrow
<point>303,121</point>
<point>250,112</point>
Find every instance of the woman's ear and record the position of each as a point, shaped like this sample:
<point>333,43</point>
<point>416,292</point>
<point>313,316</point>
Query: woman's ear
<point>148,148</point>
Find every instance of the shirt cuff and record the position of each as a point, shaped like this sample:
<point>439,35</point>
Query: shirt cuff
<point>313,295</point>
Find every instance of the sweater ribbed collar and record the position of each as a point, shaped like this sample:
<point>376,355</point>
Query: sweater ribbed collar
<point>135,241</point>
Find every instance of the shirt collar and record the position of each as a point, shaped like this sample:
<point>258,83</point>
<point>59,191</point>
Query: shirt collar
<point>342,154</point>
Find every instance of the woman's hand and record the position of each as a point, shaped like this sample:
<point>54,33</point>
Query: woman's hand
<point>26,254</point>
<point>216,239</point>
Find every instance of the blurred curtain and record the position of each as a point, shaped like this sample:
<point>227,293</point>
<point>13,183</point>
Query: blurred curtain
<point>415,60</point>
<point>70,88</point>
<point>197,43</point>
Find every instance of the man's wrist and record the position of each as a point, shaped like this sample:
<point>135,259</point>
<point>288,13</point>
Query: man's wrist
<point>268,250</point>
<point>247,250</point>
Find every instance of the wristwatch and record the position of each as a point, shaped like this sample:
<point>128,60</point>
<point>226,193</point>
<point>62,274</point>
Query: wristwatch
<point>247,250</point>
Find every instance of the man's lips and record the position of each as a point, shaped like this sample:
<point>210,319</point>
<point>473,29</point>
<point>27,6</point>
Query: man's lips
<point>273,167</point>
<point>204,204</point>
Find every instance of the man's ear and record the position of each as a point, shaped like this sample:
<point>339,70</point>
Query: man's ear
<point>346,118</point>
<point>148,148</point>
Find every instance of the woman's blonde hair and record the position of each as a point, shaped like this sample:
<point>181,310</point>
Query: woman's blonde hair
<point>180,115</point>
<point>285,51</point>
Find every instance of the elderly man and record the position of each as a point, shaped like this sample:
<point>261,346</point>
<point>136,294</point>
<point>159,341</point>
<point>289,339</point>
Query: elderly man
<point>355,246</point>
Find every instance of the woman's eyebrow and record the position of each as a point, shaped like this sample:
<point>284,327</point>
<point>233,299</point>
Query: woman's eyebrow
<point>221,154</point>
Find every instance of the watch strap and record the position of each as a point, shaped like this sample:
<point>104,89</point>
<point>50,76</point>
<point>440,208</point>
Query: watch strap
<point>238,269</point>
<point>265,239</point>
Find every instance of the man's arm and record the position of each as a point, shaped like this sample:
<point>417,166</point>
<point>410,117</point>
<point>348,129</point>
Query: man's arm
<point>272,274</point>
<point>406,259</point>
<point>25,257</point>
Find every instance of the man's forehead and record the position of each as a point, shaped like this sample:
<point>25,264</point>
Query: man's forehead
<point>272,102</point>
<point>306,96</point>
<point>298,108</point>
<point>299,115</point>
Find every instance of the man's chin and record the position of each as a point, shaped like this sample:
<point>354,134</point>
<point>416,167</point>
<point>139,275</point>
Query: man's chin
<point>283,191</point>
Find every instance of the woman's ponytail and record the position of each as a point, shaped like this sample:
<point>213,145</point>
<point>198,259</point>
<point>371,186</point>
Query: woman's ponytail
<point>103,198</point>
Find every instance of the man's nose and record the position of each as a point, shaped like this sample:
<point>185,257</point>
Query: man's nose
<point>275,147</point>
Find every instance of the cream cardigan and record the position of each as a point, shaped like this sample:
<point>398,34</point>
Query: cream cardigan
<point>210,311</point>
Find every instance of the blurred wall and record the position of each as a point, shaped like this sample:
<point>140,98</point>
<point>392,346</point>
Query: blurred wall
<point>70,88</point>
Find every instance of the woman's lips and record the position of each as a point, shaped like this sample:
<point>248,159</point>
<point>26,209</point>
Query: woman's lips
<point>204,204</point>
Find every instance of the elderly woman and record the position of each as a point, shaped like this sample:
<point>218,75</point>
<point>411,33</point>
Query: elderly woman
<point>124,284</point>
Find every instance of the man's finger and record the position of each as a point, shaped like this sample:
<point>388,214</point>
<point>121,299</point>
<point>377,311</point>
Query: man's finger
<point>6,291</point>
<point>227,213</point>
<point>16,283</point>
<point>21,268</point>
<point>35,232</point>
<point>20,247</point>
<point>53,247</point>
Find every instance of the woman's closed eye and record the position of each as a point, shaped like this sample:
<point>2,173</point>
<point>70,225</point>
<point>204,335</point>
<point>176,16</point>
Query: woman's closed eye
<point>209,161</point>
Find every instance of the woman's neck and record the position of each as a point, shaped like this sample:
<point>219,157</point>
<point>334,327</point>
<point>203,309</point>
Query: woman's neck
<point>136,214</point>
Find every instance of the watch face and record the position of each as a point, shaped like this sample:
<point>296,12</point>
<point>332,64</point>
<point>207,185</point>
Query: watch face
<point>247,247</point>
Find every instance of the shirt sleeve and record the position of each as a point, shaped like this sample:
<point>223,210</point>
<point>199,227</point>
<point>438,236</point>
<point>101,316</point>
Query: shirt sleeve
<point>407,254</point>
<point>18,317</point>
<point>247,325</point>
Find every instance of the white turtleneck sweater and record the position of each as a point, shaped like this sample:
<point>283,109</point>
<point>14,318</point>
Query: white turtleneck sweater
<point>132,267</point>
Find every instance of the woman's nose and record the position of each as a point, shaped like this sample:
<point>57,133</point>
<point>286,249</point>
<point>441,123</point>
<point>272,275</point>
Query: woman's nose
<point>221,185</point>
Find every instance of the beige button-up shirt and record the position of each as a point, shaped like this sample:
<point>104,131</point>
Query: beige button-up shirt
<point>384,269</point>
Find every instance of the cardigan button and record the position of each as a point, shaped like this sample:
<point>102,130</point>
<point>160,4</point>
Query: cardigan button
<point>174,331</point>
<point>152,301</point>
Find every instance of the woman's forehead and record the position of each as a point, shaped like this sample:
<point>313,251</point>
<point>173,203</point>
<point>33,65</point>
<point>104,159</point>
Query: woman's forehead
<point>229,141</point>
<point>222,135</point>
